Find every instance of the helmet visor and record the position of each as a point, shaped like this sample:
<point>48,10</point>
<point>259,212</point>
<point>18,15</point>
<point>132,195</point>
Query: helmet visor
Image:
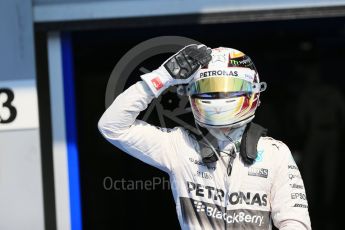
<point>220,85</point>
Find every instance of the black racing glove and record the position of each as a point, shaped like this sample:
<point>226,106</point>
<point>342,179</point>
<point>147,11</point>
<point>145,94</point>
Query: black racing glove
<point>178,69</point>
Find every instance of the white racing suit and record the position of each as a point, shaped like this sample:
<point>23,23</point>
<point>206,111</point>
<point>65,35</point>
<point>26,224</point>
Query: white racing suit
<point>271,189</point>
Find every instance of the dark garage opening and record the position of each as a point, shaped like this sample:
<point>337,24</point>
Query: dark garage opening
<point>302,62</point>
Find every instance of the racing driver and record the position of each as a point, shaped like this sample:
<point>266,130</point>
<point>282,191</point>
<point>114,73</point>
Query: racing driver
<point>227,174</point>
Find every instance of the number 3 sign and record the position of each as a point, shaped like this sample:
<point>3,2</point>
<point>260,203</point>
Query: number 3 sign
<point>11,113</point>
<point>18,105</point>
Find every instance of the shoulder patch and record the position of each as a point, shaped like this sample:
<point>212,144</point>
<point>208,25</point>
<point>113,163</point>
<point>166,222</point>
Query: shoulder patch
<point>273,142</point>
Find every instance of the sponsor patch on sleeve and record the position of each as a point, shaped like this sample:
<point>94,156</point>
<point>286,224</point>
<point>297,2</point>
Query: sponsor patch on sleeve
<point>157,83</point>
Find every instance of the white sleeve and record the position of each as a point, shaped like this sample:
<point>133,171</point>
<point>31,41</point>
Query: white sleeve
<point>288,199</point>
<point>139,139</point>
